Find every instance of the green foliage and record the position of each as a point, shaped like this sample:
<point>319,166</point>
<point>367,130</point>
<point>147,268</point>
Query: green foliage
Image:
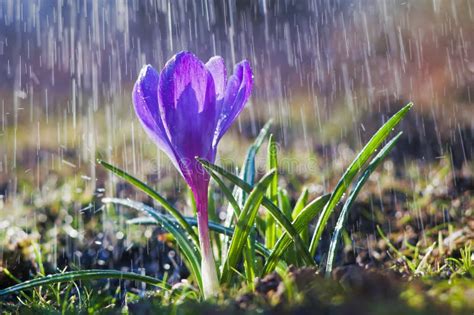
<point>272,193</point>
<point>153,194</point>
<point>356,166</point>
<point>299,223</point>
<point>262,240</point>
<point>248,175</point>
<point>189,251</point>
<point>82,275</point>
<point>277,214</point>
<point>464,264</point>
<point>244,225</point>
<point>341,222</point>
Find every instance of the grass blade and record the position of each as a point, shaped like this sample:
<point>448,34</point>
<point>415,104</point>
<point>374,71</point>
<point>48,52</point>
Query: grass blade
<point>341,222</point>
<point>153,194</point>
<point>247,172</point>
<point>424,260</point>
<point>83,275</point>
<point>248,169</point>
<point>284,202</point>
<point>299,224</point>
<point>279,217</point>
<point>244,225</point>
<point>299,206</point>
<point>227,193</point>
<point>249,257</point>
<point>185,245</point>
<point>400,255</point>
<point>352,171</point>
<point>213,226</point>
<point>300,203</point>
<point>248,175</point>
<point>234,205</point>
<point>272,163</point>
<point>216,240</point>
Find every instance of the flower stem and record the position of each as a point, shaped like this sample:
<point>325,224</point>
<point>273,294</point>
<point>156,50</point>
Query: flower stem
<point>208,266</point>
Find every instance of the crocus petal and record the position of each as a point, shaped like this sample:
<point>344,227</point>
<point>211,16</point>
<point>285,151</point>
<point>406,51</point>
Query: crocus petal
<point>216,67</point>
<point>238,89</point>
<point>186,98</point>
<point>186,110</point>
<point>145,101</point>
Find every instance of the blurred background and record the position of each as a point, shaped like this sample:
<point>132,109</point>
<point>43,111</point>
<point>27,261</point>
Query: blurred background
<point>325,71</point>
<point>328,72</point>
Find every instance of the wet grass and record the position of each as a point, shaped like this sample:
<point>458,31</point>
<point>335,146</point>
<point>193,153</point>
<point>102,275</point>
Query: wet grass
<point>407,244</point>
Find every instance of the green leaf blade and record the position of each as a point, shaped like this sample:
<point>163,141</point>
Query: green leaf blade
<point>277,214</point>
<point>352,197</point>
<point>299,223</point>
<point>153,194</point>
<point>244,225</point>
<point>272,193</point>
<point>88,275</point>
<point>213,226</point>
<point>247,173</point>
<point>356,165</point>
<point>187,247</point>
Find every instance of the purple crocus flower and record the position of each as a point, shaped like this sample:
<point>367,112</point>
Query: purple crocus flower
<point>186,109</point>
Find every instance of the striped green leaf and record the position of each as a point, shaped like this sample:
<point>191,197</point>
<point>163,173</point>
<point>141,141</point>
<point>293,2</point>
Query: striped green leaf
<point>341,222</point>
<point>299,223</point>
<point>85,275</point>
<point>272,193</point>
<point>370,148</point>
<point>244,225</point>
<point>277,214</point>
<point>247,173</point>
